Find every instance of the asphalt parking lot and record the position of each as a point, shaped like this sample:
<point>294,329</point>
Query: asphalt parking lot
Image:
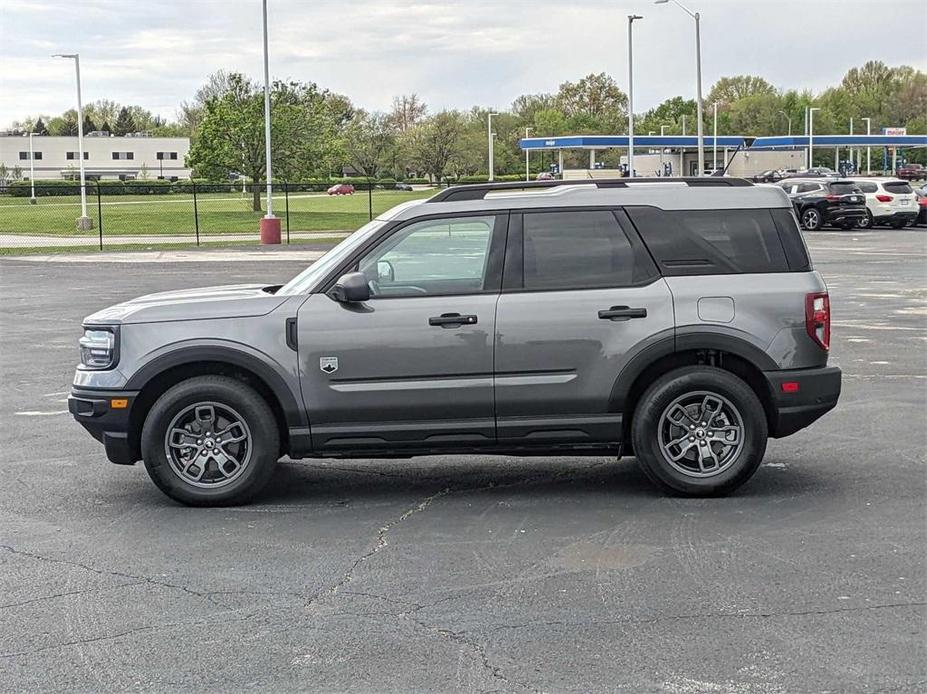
<point>449,574</point>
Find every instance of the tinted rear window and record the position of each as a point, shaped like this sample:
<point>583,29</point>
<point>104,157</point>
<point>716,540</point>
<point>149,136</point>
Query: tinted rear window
<point>710,242</point>
<point>843,188</point>
<point>868,187</point>
<point>580,250</point>
<point>898,188</point>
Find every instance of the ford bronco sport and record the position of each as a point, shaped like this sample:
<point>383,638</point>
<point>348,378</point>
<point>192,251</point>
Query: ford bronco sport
<point>678,320</point>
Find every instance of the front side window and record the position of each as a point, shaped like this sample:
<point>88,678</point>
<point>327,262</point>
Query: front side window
<point>432,257</point>
<point>582,249</point>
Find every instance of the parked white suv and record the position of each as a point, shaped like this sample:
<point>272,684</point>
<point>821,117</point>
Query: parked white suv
<point>888,201</point>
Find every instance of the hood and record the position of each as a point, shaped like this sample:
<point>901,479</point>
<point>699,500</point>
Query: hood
<point>234,301</point>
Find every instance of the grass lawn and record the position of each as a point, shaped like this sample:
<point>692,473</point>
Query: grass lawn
<point>218,213</point>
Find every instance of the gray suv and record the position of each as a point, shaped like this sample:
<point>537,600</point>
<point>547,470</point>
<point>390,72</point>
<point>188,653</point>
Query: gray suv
<point>676,320</point>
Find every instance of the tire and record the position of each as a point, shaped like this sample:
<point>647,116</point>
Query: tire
<point>811,219</point>
<point>865,222</point>
<point>847,226</point>
<point>199,412</point>
<point>692,475</point>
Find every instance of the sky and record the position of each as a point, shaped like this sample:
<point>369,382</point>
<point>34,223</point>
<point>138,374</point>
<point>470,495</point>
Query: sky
<point>452,53</point>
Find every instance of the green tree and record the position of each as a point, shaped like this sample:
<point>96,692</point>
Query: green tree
<point>727,90</point>
<point>231,134</point>
<point>39,127</point>
<point>89,125</point>
<point>434,143</point>
<point>593,104</point>
<point>125,124</point>
<point>368,141</point>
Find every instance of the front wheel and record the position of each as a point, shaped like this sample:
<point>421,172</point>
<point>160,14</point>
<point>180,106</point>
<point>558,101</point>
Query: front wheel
<point>865,222</point>
<point>699,431</point>
<point>210,441</point>
<point>811,219</point>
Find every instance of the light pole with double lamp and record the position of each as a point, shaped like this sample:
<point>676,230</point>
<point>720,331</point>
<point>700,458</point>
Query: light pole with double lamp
<point>698,79</point>
<point>631,18</point>
<point>489,137</point>
<point>84,222</point>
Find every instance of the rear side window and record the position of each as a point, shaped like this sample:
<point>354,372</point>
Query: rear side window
<point>711,242</point>
<point>867,187</point>
<point>581,249</point>
<point>792,242</point>
<point>898,188</point>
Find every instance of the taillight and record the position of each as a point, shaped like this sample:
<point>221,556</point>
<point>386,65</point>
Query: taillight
<point>884,198</point>
<point>817,318</point>
<point>833,198</point>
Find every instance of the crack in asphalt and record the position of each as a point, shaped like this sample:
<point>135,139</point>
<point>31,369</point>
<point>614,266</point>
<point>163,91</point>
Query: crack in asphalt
<point>44,598</point>
<point>121,634</point>
<point>118,574</point>
<point>716,615</point>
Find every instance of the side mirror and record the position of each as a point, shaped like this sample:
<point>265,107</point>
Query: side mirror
<point>351,288</point>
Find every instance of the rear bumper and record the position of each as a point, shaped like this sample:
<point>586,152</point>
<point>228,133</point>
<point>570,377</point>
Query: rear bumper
<point>907,216</point>
<point>93,410</point>
<point>795,407</point>
<point>840,215</point>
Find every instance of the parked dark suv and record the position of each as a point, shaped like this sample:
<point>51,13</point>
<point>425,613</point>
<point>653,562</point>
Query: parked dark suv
<point>678,320</point>
<point>818,202</point>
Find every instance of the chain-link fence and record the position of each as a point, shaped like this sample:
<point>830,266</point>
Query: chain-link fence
<point>47,217</point>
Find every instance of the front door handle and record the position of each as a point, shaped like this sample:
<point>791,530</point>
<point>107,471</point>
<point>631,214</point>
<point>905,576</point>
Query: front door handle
<point>617,313</point>
<point>449,320</point>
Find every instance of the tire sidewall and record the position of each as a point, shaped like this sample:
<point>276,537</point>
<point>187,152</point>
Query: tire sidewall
<point>226,391</point>
<point>817,216</point>
<point>646,422</point>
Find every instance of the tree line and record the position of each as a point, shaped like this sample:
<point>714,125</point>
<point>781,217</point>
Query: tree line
<point>319,133</point>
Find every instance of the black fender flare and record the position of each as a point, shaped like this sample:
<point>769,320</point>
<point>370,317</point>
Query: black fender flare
<point>685,339</point>
<point>293,412</point>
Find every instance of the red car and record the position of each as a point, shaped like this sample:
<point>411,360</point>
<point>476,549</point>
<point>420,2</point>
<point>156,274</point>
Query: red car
<point>341,189</point>
<point>912,172</point>
<point>922,207</point>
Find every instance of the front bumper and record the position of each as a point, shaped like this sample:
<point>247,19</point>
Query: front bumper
<point>797,406</point>
<point>93,410</point>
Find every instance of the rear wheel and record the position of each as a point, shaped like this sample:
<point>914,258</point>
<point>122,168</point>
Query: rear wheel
<point>811,219</point>
<point>210,441</point>
<point>699,431</point>
<point>865,222</point>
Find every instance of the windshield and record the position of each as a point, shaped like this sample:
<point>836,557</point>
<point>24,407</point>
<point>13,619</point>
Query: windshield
<point>304,281</point>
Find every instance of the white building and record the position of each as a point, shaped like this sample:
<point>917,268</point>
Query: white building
<point>105,157</point>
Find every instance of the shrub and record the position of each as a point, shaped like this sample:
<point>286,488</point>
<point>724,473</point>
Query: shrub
<point>23,189</point>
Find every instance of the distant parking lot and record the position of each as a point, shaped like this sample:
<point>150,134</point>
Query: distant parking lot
<point>470,574</point>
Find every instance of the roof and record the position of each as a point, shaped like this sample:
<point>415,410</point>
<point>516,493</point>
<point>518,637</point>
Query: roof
<point>606,141</point>
<point>691,141</point>
<point>787,141</point>
<point>665,193</point>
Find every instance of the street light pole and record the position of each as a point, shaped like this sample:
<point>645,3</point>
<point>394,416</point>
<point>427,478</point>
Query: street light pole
<point>84,223</point>
<point>631,18</point>
<point>868,129</point>
<point>789,119</point>
<point>714,141</point>
<point>527,151</point>
<point>811,135</point>
<point>31,169</point>
<point>269,225</point>
<point>489,137</point>
<point>698,78</point>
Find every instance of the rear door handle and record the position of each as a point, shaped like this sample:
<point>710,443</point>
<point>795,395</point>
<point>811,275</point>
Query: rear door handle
<point>452,319</point>
<point>617,313</point>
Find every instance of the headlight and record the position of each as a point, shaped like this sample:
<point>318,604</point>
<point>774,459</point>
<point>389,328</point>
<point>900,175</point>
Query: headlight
<point>98,348</point>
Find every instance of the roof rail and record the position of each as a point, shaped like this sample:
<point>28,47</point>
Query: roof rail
<point>478,191</point>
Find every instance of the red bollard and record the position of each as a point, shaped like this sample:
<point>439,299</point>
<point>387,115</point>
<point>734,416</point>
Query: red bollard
<point>270,230</point>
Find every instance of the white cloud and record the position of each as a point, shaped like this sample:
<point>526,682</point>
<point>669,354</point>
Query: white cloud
<point>454,54</point>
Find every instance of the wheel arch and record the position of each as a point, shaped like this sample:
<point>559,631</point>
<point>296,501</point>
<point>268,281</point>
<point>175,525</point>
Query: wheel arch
<point>163,372</point>
<point>728,352</point>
